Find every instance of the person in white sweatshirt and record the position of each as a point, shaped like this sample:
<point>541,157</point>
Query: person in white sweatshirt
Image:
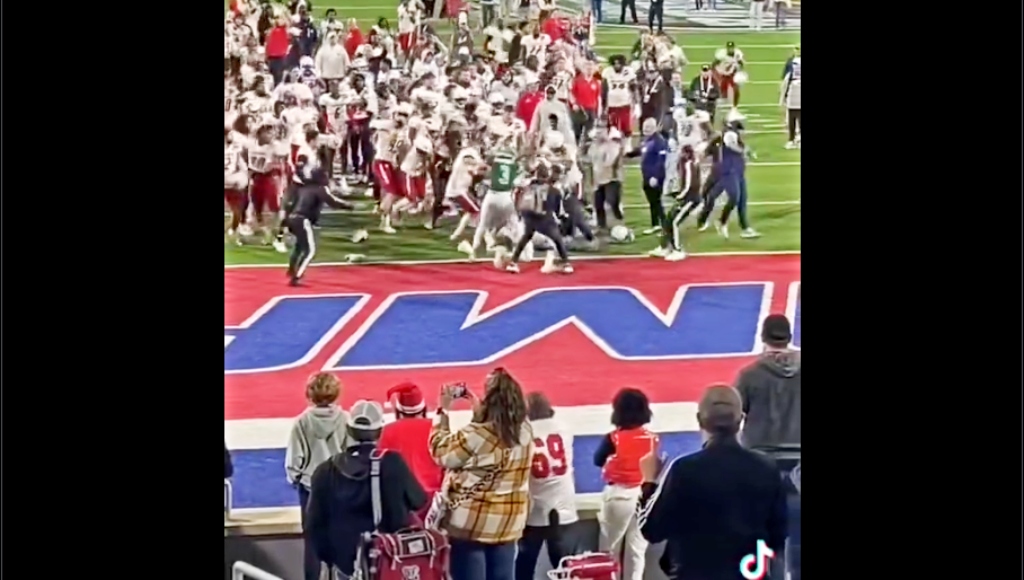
<point>332,62</point>
<point>318,434</point>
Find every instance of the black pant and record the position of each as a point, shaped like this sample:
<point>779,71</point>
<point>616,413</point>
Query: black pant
<point>577,218</point>
<point>277,67</point>
<point>656,11</point>
<point>543,224</point>
<point>561,541</point>
<point>305,246</point>
<point>794,122</point>
<point>310,564</point>
<point>632,10</point>
<point>611,194</point>
<point>653,195</point>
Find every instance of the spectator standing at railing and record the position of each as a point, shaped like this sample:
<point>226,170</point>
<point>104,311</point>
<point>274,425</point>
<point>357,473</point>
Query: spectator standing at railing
<point>770,387</point>
<point>713,506</point>
<point>409,436</point>
<point>618,455</point>
<point>318,433</point>
<point>487,488</point>
<point>340,506</point>
<point>552,490</point>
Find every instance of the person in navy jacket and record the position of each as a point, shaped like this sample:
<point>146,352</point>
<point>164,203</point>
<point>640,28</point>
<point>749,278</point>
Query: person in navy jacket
<point>653,152</point>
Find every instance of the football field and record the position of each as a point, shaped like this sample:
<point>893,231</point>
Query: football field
<point>417,314</point>
<point>773,179</point>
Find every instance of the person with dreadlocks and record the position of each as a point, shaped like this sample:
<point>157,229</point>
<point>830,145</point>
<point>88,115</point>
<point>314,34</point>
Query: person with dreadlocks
<point>487,488</point>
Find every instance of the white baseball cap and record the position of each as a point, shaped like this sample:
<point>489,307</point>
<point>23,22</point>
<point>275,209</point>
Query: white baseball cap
<point>366,416</point>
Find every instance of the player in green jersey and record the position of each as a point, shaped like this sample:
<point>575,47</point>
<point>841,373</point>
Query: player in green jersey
<point>504,169</point>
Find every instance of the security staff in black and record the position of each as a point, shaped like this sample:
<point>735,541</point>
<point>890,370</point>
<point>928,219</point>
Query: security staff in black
<point>302,212</point>
<point>539,208</point>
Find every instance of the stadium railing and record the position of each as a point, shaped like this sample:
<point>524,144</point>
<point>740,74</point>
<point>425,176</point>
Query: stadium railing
<point>228,493</point>
<point>242,570</point>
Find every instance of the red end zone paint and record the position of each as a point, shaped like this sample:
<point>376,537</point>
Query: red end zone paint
<point>580,375</point>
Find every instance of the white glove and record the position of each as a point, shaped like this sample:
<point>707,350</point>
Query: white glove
<point>653,182</point>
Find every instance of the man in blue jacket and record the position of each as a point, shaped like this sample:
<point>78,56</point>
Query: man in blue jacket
<point>653,154</point>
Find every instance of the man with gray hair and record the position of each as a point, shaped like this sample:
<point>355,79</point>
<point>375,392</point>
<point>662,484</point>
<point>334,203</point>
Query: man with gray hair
<point>714,507</point>
<point>340,501</point>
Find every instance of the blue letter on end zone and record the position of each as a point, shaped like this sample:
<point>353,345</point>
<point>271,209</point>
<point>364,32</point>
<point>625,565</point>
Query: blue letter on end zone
<point>711,320</point>
<point>287,333</point>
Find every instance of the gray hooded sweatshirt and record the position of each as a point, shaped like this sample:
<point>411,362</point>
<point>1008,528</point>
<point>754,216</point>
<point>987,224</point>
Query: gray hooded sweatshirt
<point>318,434</point>
<point>770,388</point>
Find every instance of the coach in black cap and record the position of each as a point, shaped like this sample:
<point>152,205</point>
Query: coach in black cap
<point>770,388</point>
<point>713,506</point>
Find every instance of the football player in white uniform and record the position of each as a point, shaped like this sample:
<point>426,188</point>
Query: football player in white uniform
<point>236,180</point>
<point>552,489</point>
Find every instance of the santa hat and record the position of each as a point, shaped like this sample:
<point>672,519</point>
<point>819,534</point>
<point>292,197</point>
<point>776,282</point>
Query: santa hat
<point>408,398</point>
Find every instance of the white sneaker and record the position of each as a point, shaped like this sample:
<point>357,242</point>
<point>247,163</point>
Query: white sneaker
<point>280,247</point>
<point>567,269</point>
<point>675,256</point>
<point>388,230</point>
<point>467,248</point>
<point>231,233</point>
<point>360,236</point>
<point>791,145</point>
<point>245,230</point>
<point>428,225</point>
<point>650,231</point>
<point>706,225</point>
<point>659,252</point>
<point>750,233</point>
<point>723,230</point>
<point>512,268</point>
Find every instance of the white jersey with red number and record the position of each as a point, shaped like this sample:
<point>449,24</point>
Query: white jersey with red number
<point>234,166</point>
<point>728,64</point>
<point>461,178</point>
<point>297,118</point>
<point>619,93</point>
<point>334,110</point>
<point>264,158</point>
<point>536,46</point>
<point>383,147</point>
<point>551,477</point>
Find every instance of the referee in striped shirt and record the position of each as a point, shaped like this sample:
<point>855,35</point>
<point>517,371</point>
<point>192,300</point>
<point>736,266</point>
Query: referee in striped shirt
<point>713,507</point>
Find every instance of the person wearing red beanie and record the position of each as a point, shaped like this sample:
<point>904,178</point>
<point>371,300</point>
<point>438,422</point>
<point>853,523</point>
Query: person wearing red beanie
<point>409,436</point>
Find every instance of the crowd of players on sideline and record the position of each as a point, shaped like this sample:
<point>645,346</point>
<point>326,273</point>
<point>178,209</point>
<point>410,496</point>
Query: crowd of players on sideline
<point>523,141</point>
<point>711,506</point>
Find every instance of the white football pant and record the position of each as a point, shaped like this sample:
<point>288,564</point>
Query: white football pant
<point>619,528</point>
<point>756,14</point>
<point>497,211</point>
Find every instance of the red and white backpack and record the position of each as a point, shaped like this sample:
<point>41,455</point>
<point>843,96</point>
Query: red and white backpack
<point>410,554</point>
<point>586,566</point>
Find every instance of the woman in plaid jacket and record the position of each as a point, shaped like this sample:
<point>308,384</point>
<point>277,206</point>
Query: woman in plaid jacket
<point>487,486</point>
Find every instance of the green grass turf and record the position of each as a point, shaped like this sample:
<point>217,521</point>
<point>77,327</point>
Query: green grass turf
<point>773,180</point>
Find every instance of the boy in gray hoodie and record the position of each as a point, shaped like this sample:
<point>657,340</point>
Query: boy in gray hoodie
<point>319,433</point>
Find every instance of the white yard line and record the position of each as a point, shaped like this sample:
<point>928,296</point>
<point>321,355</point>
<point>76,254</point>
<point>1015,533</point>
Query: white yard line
<point>464,261</point>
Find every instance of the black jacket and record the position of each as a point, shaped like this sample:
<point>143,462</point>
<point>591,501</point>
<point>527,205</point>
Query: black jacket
<point>712,507</point>
<point>340,508</point>
<point>770,388</point>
